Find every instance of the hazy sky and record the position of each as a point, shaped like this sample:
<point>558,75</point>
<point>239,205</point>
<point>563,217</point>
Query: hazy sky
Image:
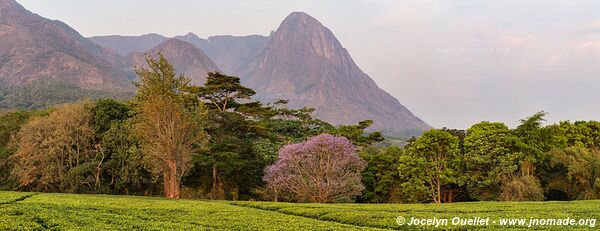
<point>452,63</point>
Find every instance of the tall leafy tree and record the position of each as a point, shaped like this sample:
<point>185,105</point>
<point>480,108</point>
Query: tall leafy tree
<point>489,156</point>
<point>535,141</point>
<point>577,172</point>
<point>381,177</point>
<point>233,125</point>
<point>431,167</point>
<point>169,130</point>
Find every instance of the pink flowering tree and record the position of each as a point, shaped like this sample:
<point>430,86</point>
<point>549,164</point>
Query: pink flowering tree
<point>323,169</point>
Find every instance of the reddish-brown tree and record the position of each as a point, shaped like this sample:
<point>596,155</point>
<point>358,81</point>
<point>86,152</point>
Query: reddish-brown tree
<point>169,130</point>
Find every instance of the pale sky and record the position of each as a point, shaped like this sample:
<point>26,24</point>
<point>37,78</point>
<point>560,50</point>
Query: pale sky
<point>452,63</point>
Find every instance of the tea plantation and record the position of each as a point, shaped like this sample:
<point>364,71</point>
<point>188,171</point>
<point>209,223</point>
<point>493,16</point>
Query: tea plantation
<point>39,211</point>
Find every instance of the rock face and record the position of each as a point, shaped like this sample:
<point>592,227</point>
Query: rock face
<point>33,48</point>
<point>302,61</point>
<point>305,63</point>
<point>230,53</point>
<point>185,57</point>
<point>125,45</point>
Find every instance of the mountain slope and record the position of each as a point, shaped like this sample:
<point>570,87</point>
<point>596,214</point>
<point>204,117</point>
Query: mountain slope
<point>34,49</point>
<point>305,63</point>
<point>125,45</point>
<point>185,57</point>
<point>230,53</point>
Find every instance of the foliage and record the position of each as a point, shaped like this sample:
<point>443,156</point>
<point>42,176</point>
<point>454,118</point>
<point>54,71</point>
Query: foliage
<point>10,124</point>
<point>160,79</point>
<point>356,133</point>
<point>522,188</point>
<point>222,92</point>
<point>430,169</point>
<point>214,141</point>
<point>46,93</point>
<point>48,148</point>
<point>489,156</point>
<point>381,177</point>
<point>322,169</point>
<point>169,133</point>
<point>579,172</point>
<point>108,111</point>
<point>233,126</point>
<point>234,164</point>
<point>124,169</point>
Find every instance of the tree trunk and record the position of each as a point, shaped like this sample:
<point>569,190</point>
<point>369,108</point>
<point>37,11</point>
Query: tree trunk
<point>439,191</point>
<point>167,180</point>
<point>175,184</point>
<point>217,191</point>
<point>171,181</point>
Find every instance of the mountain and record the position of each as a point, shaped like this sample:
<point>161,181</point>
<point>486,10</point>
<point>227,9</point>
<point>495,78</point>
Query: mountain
<point>34,49</point>
<point>230,53</point>
<point>302,61</point>
<point>185,57</point>
<point>305,63</point>
<point>125,45</point>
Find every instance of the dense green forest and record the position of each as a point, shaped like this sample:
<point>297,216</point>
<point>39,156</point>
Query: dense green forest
<point>212,141</point>
<point>45,93</point>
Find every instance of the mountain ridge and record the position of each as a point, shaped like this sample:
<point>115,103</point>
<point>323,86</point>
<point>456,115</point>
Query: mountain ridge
<point>185,57</point>
<point>301,61</point>
<point>305,63</point>
<point>34,48</point>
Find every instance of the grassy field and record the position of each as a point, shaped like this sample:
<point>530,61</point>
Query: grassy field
<point>31,211</point>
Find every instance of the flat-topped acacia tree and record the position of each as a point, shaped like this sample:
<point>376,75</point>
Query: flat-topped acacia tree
<point>233,124</point>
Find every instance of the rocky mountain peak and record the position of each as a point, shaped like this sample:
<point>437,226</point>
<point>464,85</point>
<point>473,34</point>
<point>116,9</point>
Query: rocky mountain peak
<point>190,35</point>
<point>184,56</point>
<point>300,19</point>
<point>300,30</point>
<point>175,44</point>
<point>305,63</point>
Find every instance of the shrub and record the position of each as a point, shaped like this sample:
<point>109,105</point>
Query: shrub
<point>522,188</point>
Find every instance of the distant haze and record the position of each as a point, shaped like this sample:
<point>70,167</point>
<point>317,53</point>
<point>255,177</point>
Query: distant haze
<point>452,63</point>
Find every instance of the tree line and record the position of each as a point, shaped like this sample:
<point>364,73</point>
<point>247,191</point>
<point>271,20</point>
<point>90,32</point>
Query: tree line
<point>213,141</point>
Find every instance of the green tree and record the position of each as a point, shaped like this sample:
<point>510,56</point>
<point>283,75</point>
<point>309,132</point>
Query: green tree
<point>535,141</point>
<point>488,157</point>
<point>124,167</point>
<point>430,169</point>
<point>108,111</point>
<point>233,123</point>
<point>577,172</point>
<point>356,133</point>
<point>381,177</point>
